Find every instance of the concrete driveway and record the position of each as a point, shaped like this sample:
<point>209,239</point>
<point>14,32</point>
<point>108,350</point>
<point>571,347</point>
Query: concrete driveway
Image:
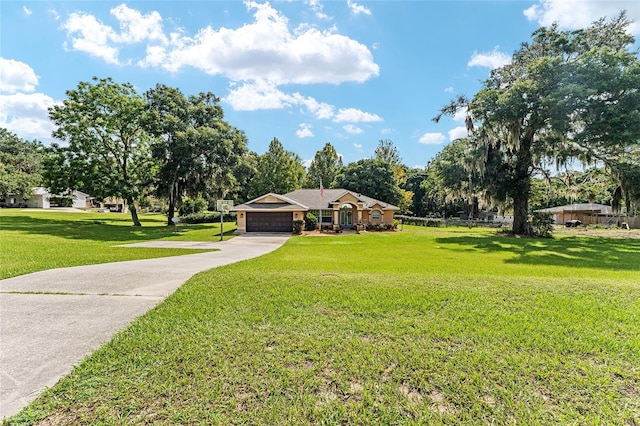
<point>51,320</point>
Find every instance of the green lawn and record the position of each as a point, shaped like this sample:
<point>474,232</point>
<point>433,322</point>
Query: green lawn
<point>34,241</point>
<point>423,326</point>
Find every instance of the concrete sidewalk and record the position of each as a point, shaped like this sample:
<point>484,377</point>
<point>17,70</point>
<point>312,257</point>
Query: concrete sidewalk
<point>51,320</point>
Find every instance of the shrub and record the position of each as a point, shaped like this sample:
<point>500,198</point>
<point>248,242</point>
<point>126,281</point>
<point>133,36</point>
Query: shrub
<point>298,226</point>
<point>311,222</point>
<point>61,201</point>
<point>542,224</point>
<point>189,206</point>
<point>207,217</point>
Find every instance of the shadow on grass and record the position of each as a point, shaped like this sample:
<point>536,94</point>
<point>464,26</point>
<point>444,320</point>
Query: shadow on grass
<point>111,229</point>
<point>578,252</point>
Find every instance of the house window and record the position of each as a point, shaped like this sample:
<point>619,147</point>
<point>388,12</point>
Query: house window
<point>327,217</point>
<point>375,215</point>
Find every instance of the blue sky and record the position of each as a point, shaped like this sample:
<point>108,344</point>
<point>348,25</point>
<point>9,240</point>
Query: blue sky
<point>307,72</point>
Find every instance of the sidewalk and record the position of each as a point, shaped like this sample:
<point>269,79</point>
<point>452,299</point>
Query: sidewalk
<point>51,320</point>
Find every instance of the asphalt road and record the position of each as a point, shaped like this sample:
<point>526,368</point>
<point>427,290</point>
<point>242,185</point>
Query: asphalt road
<point>51,320</point>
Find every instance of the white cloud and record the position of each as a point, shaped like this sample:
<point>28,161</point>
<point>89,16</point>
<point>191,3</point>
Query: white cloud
<point>457,133</point>
<point>449,89</point>
<point>27,115</point>
<point>357,145</point>
<point>265,49</point>
<point>354,130</point>
<point>16,76</point>
<point>86,34</point>
<point>357,9</point>
<point>135,27</point>
<point>27,11</point>
<point>432,139</point>
<point>268,49</point>
<point>55,14</point>
<point>304,131</point>
<point>259,95</point>
<point>493,59</point>
<point>460,115</point>
<point>317,8</point>
<point>355,116</point>
<point>386,131</point>
<point>574,14</point>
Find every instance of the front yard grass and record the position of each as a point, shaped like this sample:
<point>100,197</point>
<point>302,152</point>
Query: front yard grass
<point>35,241</point>
<point>422,326</point>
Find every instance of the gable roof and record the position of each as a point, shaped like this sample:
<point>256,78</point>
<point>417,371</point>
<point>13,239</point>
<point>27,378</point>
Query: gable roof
<point>285,204</point>
<point>312,198</point>
<point>309,199</point>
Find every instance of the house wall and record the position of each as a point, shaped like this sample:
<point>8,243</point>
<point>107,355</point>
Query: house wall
<point>241,221</point>
<point>388,216</point>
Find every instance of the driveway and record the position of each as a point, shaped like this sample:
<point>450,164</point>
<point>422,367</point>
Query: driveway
<point>51,320</point>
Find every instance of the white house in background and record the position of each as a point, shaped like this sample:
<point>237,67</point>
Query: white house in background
<point>41,199</point>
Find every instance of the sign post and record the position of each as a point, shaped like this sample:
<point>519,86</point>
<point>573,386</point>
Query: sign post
<point>223,206</point>
<point>175,221</point>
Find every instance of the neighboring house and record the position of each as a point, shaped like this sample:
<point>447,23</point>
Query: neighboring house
<point>276,213</point>
<point>587,213</point>
<point>41,199</point>
<point>494,217</point>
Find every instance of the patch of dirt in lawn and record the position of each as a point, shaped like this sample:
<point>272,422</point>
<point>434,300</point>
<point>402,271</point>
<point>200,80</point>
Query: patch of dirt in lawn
<point>600,232</point>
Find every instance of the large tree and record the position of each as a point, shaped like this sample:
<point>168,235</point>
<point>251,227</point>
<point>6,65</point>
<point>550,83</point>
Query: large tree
<point>196,149</point>
<point>374,178</point>
<point>278,171</point>
<point>387,152</point>
<point>103,123</point>
<point>324,168</point>
<point>20,165</point>
<point>551,104</point>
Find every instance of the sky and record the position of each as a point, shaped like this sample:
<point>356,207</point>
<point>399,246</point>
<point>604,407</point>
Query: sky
<point>306,72</point>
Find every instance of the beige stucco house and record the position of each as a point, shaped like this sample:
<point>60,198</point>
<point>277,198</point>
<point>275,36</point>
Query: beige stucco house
<point>276,213</point>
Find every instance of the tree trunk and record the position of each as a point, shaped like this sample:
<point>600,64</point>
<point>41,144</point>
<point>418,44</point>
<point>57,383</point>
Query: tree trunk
<point>522,185</point>
<point>172,204</point>
<point>521,224</point>
<point>134,212</point>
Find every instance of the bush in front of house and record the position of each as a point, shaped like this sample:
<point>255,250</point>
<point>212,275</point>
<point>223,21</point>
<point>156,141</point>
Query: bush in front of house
<point>298,226</point>
<point>542,224</point>
<point>207,217</point>
<point>310,222</point>
<point>61,201</point>
<point>192,205</point>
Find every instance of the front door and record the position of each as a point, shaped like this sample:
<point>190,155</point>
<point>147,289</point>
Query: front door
<point>346,218</point>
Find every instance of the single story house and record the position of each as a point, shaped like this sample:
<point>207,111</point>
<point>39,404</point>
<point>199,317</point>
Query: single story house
<point>587,213</point>
<point>276,213</point>
<point>41,199</point>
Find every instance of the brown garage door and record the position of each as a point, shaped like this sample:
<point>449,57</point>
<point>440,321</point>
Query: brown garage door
<point>269,222</point>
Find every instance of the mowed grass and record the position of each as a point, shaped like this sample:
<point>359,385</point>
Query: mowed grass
<point>35,241</point>
<point>422,326</point>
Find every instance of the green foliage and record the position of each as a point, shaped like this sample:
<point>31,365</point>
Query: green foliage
<point>567,94</point>
<point>298,226</point>
<point>542,224</point>
<point>420,221</point>
<point>20,166</point>
<point>61,201</point>
<point>196,150</point>
<point>104,125</point>
<point>310,222</point>
<point>374,178</point>
<point>192,205</point>
<point>278,170</point>
<point>324,168</point>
